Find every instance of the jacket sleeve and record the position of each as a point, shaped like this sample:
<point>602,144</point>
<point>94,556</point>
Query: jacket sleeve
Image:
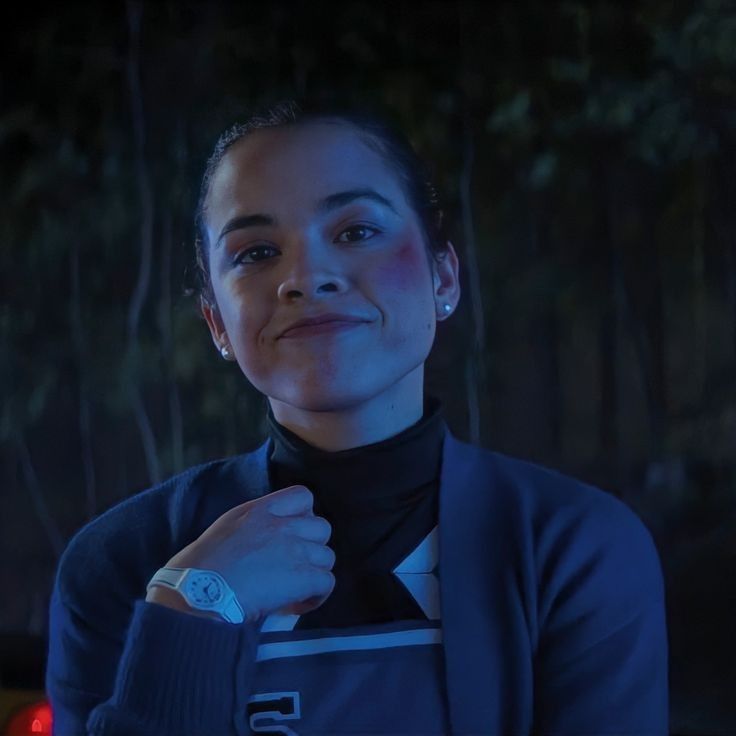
<point>167,673</point>
<point>602,659</point>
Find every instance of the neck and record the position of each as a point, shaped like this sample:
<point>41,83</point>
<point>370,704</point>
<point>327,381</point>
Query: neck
<point>333,423</point>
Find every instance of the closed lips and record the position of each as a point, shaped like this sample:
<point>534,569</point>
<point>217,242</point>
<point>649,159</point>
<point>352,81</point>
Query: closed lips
<point>317,320</point>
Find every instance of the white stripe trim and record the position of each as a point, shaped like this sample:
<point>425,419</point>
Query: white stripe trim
<point>277,650</point>
<point>280,622</point>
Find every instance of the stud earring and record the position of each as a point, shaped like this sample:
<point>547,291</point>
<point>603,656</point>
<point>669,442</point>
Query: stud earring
<point>225,352</point>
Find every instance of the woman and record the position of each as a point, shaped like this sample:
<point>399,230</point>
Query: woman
<point>462,591</point>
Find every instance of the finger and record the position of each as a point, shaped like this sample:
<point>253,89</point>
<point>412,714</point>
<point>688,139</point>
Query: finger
<point>311,528</point>
<point>291,501</point>
<point>320,555</point>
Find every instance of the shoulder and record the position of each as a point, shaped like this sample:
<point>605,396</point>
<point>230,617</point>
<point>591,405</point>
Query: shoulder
<point>541,494</point>
<point>559,523</point>
<point>589,548</point>
<point>562,506</point>
<point>129,540</point>
<point>156,505</point>
<point>554,498</point>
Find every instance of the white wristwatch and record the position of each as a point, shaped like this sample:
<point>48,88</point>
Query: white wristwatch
<point>205,590</point>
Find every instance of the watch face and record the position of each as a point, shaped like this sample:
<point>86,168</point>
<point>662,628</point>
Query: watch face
<point>204,590</point>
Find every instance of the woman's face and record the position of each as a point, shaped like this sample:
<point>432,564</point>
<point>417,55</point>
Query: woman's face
<point>312,252</point>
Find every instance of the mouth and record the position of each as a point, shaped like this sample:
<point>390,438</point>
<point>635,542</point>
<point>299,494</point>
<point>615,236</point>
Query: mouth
<point>334,327</point>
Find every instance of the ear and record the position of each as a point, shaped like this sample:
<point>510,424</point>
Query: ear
<point>214,322</point>
<point>446,278</point>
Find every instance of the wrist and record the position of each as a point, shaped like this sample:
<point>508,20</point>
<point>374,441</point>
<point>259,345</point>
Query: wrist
<point>171,599</point>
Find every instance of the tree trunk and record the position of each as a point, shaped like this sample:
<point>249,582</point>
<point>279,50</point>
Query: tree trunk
<point>82,357</point>
<point>725,225</point>
<point>169,348</point>
<point>544,335</point>
<point>700,290</point>
<point>53,533</point>
<point>608,326</point>
<point>656,322</point>
<point>641,289</point>
<point>134,12</point>
<point>475,368</point>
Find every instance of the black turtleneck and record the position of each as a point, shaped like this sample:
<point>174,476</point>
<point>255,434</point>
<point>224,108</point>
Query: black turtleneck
<point>381,500</point>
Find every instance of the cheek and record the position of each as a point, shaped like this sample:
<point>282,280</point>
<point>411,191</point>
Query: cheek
<point>237,318</point>
<point>406,270</point>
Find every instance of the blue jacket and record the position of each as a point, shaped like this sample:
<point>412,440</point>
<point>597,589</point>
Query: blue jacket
<point>552,621</point>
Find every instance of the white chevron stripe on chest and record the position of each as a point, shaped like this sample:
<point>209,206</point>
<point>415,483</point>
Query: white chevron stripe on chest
<point>415,572</point>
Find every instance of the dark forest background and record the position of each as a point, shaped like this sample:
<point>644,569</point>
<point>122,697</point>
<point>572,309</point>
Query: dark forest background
<point>585,154</point>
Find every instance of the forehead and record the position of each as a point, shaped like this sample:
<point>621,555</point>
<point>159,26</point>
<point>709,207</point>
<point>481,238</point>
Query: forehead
<point>300,163</point>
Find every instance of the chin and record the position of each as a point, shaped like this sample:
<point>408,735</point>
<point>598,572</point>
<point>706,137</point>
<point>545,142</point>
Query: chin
<point>322,402</point>
<point>324,398</point>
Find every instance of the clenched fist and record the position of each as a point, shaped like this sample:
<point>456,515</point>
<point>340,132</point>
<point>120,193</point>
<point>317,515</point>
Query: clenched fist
<point>272,551</point>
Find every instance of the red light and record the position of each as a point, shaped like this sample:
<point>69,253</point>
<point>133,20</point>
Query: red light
<point>30,719</point>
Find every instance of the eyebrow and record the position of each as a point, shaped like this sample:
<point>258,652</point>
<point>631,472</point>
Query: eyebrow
<point>329,203</point>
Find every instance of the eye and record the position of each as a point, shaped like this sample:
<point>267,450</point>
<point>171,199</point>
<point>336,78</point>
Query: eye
<point>239,258</point>
<point>353,228</point>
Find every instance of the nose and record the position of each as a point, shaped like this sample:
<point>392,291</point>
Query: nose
<point>312,268</point>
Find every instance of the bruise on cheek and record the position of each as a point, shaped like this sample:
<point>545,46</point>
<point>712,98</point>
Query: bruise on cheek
<point>405,269</point>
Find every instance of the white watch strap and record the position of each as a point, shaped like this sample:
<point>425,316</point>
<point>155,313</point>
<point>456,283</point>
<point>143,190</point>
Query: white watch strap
<point>169,577</point>
<point>174,578</point>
